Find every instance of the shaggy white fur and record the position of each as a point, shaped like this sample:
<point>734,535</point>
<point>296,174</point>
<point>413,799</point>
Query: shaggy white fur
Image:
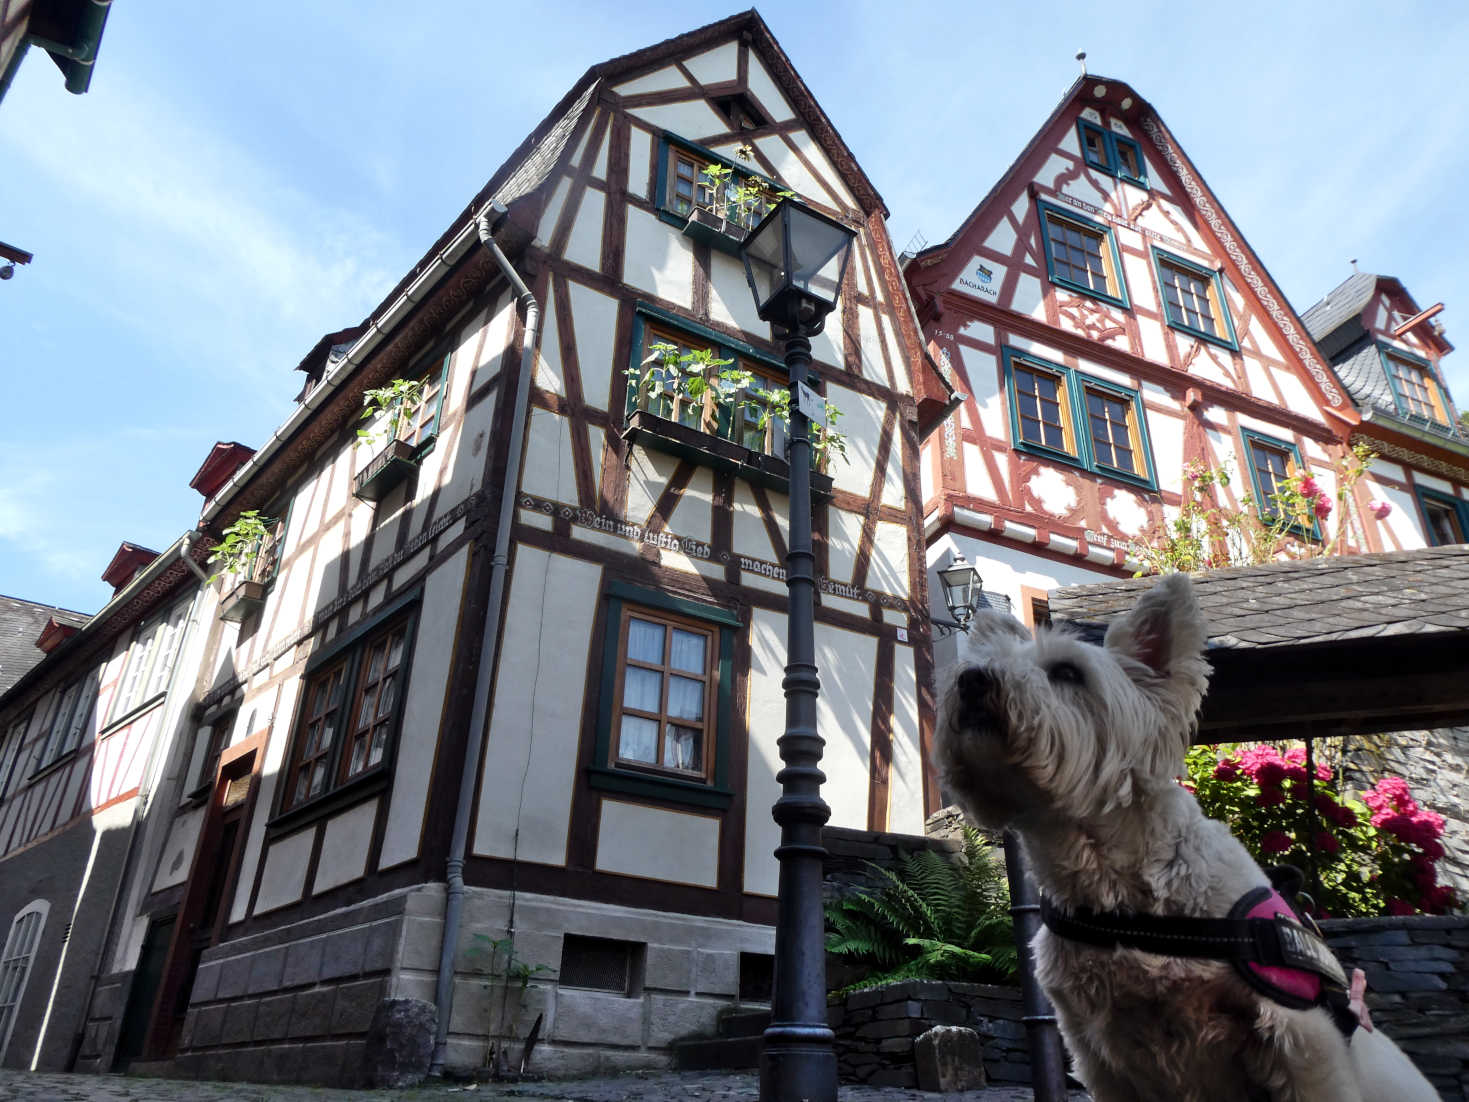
<point>1076,747</point>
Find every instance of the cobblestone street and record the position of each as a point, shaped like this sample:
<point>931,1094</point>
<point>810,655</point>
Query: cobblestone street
<point>640,1087</point>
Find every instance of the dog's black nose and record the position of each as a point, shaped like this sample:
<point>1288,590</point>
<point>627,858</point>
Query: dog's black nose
<point>974,685</point>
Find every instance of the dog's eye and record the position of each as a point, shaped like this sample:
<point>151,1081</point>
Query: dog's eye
<point>1065,673</point>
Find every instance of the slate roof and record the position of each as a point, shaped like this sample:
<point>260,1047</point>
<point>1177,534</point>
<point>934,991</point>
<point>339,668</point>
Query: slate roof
<point>1310,601</point>
<point>21,623</point>
<point>1340,305</point>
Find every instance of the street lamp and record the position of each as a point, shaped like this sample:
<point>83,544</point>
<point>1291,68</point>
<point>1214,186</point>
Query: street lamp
<point>795,260</point>
<point>962,583</point>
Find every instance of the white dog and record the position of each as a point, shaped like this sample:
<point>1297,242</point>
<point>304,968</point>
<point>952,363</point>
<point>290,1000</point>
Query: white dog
<point>1076,747</point>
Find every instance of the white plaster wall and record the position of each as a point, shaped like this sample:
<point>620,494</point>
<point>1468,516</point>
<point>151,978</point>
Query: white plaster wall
<point>344,847</point>
<point>660,80</point>
<point>549,470</point>
<point>749,536</point>
<point>657,260</point>
<point>584,245</point>
<point>766,715</point>
<point>862,419</point>
<point>285,871</point>
<point>844,533</point>
<point>530,756</point>
<point>826,172</point>
<point>767,93</point>
<point>655,844</point>
<point>639,158</point>
<point>594,320</point>
<point>730,300</point>
<point>719,64</point>
<point>1166,435</point>
<point>1005,569</point>
<point>844,718</point>
<point>888,569</point>
<point>422,711</point>
<point>552,213</point>
<point>690,120</point>
<point>905,777</point>
<point>279,704</point>
<point>178,850</point>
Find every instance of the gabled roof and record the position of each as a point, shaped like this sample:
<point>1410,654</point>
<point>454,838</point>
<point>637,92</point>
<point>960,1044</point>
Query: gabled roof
<point>21,623</point>
<point>130,558</point>
<point>222,461</point>
<point>1341,304</point>
<point>1121,98</point>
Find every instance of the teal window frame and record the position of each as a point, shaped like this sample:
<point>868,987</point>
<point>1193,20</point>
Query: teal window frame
<point>1228,339</point>
<point>1111,141</point>
<point>602,774</point>
<point>1076,384</point>
<point>662,201</point>
<point>1458,506</point>
<point>1046,211</point>
<point>1386,352</point>
<point>723,347</point>
<point>1251,437</point>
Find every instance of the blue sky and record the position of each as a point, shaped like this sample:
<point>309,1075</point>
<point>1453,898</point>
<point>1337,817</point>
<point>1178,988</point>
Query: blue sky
<point>243,178</point>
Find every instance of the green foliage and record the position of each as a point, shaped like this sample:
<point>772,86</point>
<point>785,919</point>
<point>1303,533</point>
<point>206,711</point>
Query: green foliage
<point>740,199</point>
<point>669,374</point>
<point>241,544</point>
<point>1203,535</point>
<point>501,962</point>
<point>1373,856</point>
<point>394,403</point>
<point>930,919</point>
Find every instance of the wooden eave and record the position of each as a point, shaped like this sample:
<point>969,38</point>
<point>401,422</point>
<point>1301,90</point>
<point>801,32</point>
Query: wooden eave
<point>126,562</point>
<point>223,460</point>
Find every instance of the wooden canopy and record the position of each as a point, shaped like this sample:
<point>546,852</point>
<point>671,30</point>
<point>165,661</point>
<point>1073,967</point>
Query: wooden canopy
<point>1330,646</point>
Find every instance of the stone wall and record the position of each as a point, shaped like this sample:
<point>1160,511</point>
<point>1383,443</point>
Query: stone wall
<point>849,851</point>
<point>294,1004</point>
<point>1436,766</point>
<point>1417,988</point>
<point>875,1029</point>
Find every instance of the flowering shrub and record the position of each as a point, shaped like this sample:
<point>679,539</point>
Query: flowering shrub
<point>1374,856</point>
<point>1204,536</point>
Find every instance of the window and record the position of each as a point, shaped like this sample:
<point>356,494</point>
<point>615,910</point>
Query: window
<point>1270,463</point>
<point>418,424</point>
<point>150,659</point>
<point>15,964</point>
<point>1445,518</point>
<point>71,713</point>
<point>700,178</point>
<point>665,698</point>
<point>1081,255</point>
<point>666,704</point>
<point>1415,387</point>
<point>216,737</point>
<point>10,752</point>
<point>734,416</point>
<point>1193,299</point>
<point>1060,413</point>
<point>1112,153</point>
<point>350,709</point>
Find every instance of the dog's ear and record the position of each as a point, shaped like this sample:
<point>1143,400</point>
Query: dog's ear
<point>1166,634</point>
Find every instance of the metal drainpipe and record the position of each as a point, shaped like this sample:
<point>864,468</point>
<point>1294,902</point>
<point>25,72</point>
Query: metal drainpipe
<point>488,223</point>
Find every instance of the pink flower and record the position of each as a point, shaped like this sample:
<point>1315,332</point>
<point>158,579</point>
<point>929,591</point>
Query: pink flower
<point>1270,797</point>
<point>1297,775</point>
<point>1322,508</point>
<point>1308,487</point>
<point>1326,842</point>
<point>1342,816</point>
<point>1380,509</point>
<point>1275,841</point>
<point>1226,770</point>
<point>1296,754</point>
<point>1399,907</point>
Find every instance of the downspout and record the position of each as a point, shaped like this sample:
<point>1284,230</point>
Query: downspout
<point>488,224</point>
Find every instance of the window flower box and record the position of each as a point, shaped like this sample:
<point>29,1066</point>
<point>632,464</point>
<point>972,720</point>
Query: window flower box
<point>712,229</point>
<point>243,601</point>
<point>394,464</point>
<point>672,438</point>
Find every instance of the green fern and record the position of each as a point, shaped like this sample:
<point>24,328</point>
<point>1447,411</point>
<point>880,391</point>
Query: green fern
<point>930,918</point>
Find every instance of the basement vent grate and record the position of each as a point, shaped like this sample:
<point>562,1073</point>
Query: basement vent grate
<point>600,964</point>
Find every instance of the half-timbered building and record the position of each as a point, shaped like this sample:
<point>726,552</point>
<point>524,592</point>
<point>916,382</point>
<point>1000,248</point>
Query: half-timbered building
<point>86,735</point>
<point>1110,325</point>
<point>523,634</point>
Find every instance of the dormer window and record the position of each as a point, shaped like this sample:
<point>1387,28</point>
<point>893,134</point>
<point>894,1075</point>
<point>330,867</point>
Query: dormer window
<point>1415,387</point>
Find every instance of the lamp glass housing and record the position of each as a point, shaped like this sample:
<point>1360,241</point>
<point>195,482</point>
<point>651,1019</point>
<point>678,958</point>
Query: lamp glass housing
<point>795,260</point>
<point>961,582</point>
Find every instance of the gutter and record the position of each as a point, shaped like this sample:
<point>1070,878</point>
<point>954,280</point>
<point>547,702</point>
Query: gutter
<point>75,59</point>
<point>377,329</point>
<point>487,225</point>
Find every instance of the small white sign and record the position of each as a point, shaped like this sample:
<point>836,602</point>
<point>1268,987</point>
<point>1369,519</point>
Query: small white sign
<point>811,404</point>
<point>902,635</point>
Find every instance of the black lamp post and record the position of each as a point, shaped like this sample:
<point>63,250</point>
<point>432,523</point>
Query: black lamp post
<point>962,584</point>
<point>795,260</point>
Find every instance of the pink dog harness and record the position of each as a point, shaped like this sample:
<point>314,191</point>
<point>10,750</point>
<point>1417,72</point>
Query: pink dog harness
<point>1266,940</point>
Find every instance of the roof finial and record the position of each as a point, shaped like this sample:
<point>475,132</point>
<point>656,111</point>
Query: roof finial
<point>1081,57</point>
<point>1354,267</point>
